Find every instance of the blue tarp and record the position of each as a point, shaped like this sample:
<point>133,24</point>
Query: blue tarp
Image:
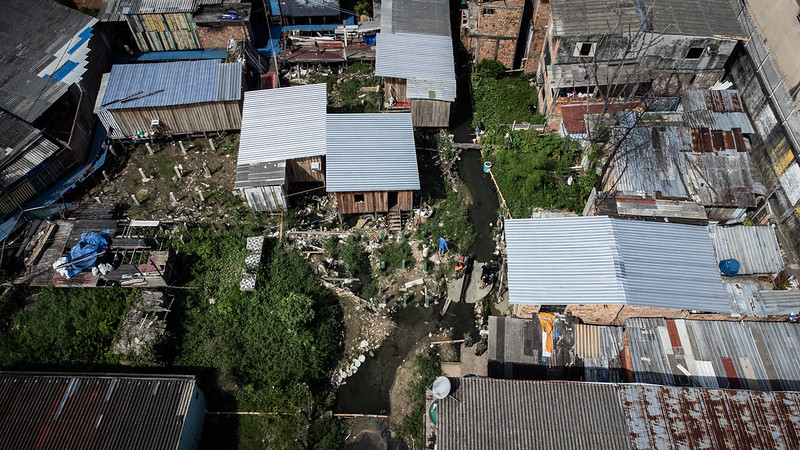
<point>84,254</point>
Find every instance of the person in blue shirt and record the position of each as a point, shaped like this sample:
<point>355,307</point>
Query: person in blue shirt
<point>443,245</point>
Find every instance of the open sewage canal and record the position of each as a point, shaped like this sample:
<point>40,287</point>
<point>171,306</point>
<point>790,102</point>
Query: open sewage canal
<point>367,392</point>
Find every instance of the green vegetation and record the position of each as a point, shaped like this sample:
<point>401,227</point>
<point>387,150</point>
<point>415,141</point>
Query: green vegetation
<point>427,369</point>
<point>502,98</point>
<point>450,219</point>
<point>363,8</point>
<point>535,170</point>
<point>62,327</point>
<point>353,255</point>
<point>395,254</point>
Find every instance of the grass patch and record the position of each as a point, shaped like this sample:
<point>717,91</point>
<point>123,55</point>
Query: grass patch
<point>449,219</point>
<point>503,98</point>
<point>427,369</point>
<point>535,171</point>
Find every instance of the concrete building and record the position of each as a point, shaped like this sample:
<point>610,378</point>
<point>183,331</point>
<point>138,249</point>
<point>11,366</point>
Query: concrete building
<point>615,49</point>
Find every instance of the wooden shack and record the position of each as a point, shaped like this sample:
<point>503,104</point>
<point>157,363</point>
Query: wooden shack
<point>171,98</point>
<point>372,162</point>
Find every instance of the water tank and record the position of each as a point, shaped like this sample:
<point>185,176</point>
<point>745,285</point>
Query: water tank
<point>441,387</point>
<point>729,267</point>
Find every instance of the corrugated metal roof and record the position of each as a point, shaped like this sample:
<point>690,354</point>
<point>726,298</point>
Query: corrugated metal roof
<point>710,18</point>
<point>496,414</point>
<point>740,294</point>
<point>425,61</point>
<point>493,414</point>
<point>599,260</point>
<point>115,10</point>
<point>590,17</point>
<point>778,302</point>
<point>260,174</point>
<point>43,50</point>
<point>98,412</point>
<point>430,17</point>
<point>22,148</point>
<point>172,83</point>
<point>663,418</point>
<point>735,355</point>
<point>371,152</point>
<point>755,247</point>
<point>717,179</point>
<point>717,110</point>
<point>651,162</point>
<point>284,123</point>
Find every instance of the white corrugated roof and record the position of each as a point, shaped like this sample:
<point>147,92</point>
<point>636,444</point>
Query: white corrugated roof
<point>371,152</point>
<point>284,123</point>
<point>756,248</point>
<point>426,61</point>
<point>599,260</point>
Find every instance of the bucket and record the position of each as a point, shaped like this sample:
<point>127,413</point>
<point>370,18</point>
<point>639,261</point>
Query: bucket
<point>487,166</point>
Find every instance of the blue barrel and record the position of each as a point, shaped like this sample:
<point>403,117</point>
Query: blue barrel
<point>487,166</point>
<point>729,267</point>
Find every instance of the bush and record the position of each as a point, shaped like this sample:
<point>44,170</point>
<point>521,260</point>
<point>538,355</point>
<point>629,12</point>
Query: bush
<point>501,98</point>
<point>353,255</point>
<point>534,170</point>
<point>395,254</point>
<point>333,247</point>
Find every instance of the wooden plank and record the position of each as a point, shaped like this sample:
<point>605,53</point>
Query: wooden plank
<point>34,256</point>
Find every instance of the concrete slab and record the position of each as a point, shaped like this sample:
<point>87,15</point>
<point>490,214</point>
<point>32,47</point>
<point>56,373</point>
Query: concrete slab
<point>474,292</point>
<point>455,289</point>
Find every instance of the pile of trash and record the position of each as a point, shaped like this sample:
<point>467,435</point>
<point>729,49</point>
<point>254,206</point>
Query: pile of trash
<point>84,255</point>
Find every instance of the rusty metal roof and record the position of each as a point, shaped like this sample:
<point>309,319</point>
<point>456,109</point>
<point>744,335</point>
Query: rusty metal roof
<point>94,411</point>
<point>492,414</point>
<point>670,417</point>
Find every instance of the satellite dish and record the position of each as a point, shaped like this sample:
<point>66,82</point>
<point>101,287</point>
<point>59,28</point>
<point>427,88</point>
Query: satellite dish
<point>441,387</point>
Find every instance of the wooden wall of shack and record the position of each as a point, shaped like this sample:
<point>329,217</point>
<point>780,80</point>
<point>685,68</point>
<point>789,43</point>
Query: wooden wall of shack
<point>180,119</point>
<point>430,113</point>
<point>618,314</point>
<point>375,201</point>
<point>396,88</point>
<point>301,170</point>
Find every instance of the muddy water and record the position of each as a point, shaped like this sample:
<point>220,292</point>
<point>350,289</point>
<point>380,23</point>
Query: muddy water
<point>367,392</point>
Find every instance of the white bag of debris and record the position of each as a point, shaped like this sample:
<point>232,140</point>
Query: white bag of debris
<point>95,271</point>
<point>105,268</point>
<point>61,270</point>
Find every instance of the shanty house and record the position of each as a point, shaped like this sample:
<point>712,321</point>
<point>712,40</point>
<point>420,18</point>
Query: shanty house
<point>414,55</point>
<point>183,97</point>
<point>109,411</point>
<point>367,160</point>
<point>629,48</point>
<point>52,60</point>
<point>282,142</point>
<point>609,265</point>
<point>691,165</point>
<point>371,162</point>
<point>159,26</point>
<point>29,164</point>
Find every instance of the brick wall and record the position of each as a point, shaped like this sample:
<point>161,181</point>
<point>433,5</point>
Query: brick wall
<point>500,18</point>
<point>494,30</point>
<point>541,20</point>
<point>218,36</point>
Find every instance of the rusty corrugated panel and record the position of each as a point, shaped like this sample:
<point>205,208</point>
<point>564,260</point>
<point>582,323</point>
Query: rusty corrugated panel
<point>90,411</point>
<point>670,417</point>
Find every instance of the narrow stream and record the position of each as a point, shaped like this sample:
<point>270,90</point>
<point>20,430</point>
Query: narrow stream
<point>367,392</point>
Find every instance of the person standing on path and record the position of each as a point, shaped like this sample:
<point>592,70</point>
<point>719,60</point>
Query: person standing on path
<point>443,245</point>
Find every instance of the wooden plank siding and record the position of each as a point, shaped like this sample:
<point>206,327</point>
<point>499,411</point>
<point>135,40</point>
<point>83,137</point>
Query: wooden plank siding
<point>376,201</point>
<point>299,170</point>
<point>396,88</point>
<point>430,113</point>
<point>181,119</point>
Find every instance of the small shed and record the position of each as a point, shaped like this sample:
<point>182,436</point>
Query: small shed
<point>282,142</point>
<point>418,69</point>
<point>182,97</point>
<point>372,162</point>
